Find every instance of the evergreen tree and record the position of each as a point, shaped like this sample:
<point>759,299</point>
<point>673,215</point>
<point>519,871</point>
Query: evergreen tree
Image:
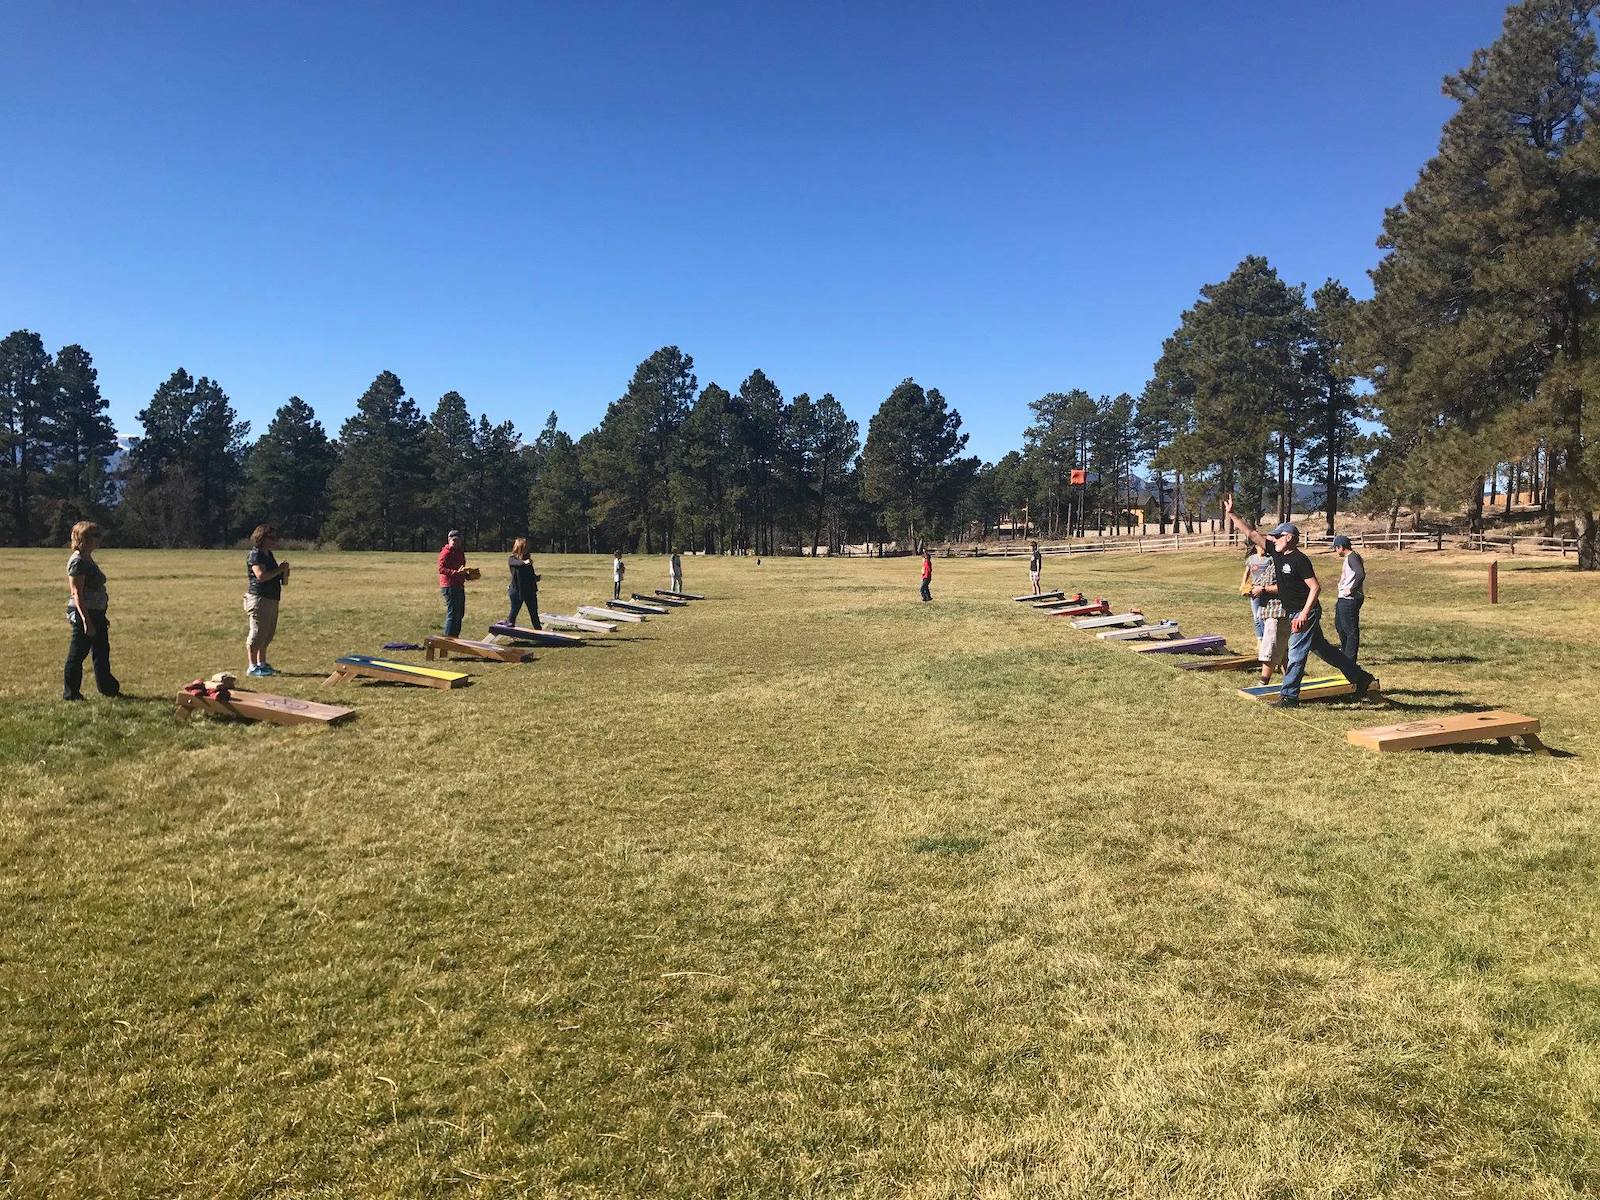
<point>826,441</point>
<point>761,447</point>
<point>1334,439</point>
<point>184,474</point>
<point>381,482</point>
<point>558,500</point>
<point>453,500</point>
<point>287,473</point>
<point>704,480</point>
<point>78,440</point>
<point>630,457</point>
<point>911,471</point>
<point>24,397</point>
<point>500,483</point>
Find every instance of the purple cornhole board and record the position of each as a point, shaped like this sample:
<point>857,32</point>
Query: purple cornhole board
<point>1210,641</point>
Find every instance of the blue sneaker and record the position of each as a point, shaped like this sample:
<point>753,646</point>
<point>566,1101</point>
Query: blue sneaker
<point>268,669</point>
<point>258,671</point>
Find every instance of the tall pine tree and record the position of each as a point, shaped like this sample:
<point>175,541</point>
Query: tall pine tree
<point>287,473</point>
<point>381,484</point>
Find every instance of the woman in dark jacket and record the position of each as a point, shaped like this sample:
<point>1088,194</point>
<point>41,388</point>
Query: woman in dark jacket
<point>524,589</point>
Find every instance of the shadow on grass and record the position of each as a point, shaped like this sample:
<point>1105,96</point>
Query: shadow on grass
<point>1432,658</point>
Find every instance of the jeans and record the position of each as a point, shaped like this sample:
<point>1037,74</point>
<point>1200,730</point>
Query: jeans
<point>1347,624</point>
<point>96,645</point>
<point>616,589</point>
<point>927,593</point>
<point>455,608</point>
<point>1261,625</point>
<point>1307,642</point>
<point>515,597</point>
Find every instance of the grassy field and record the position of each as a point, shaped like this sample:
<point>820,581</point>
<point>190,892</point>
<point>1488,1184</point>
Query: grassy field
<point>808,890</point>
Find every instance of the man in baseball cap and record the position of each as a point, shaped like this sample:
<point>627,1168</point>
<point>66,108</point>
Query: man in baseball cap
<point>1299,591</point>
<point>1352,595</point>
<point>453,583</point>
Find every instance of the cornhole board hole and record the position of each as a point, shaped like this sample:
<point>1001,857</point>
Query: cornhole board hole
<point>1208,641</point>
<point>1323,687</point>
<point>263,706</point>
<point>1222,662</point>
<point>364,666</point>
<point>1098,608</point>
<point>672,595</point>
<point>586,624</point>
<point>641,598</point>
<point>545,637</point>
<point>1140,633</point>
<point>1038,596</point>
<point>1106,622</point>
<point>634,606</point>
<point>439,646</point>
<point>609,614</point>
<point>1449,730</point>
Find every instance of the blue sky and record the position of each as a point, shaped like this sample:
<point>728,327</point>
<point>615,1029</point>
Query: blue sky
<point>522,201</point>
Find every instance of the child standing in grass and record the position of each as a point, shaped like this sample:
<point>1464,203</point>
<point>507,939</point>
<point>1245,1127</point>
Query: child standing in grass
<point>927,575</point>
<point>1035,568</point>
<point>675,573</point>
<point>524,587</point>
<point>87,602</point>
<point>264,580</point>
<point>618,570</point>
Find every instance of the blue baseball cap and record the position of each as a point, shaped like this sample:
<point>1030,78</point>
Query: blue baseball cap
<point>1286,527</point>
<point>1342,543</point>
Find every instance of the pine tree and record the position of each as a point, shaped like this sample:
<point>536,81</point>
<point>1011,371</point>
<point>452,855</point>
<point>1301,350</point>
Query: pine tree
<point>631,454</point>
<point>185,473</point>
<point>1334,438</point>
<point>911,471</point>
<point>78,440</point>
<point>381,482</point>
<point>24,397</point>
<point>287,473</point>
<point>558,500</point>
<point>453,501</point>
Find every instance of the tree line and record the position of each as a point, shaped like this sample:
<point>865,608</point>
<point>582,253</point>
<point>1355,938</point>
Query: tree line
<point>1466,373</point>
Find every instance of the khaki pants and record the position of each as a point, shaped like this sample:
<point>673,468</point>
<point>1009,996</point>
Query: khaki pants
<point>263,613</point>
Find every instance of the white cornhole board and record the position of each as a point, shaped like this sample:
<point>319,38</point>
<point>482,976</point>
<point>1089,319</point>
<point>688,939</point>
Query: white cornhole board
<point>1127,618</point>
<point>583,623</point>
<point>1161,629</point>
<point>609,614</point>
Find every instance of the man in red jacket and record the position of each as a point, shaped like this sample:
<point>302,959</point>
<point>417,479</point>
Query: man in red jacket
<point>927,574</point>
<point>453,583</point>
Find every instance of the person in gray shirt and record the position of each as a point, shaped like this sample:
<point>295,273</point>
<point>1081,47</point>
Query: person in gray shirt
<point>1352,593</point>
<point>86,614</point>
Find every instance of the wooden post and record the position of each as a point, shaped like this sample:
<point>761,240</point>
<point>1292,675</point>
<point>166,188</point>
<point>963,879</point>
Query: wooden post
<point>1494,581</point>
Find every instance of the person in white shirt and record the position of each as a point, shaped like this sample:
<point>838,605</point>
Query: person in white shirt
<point>617,572</point>
<point>675,573</point>
<point>1352,593</point>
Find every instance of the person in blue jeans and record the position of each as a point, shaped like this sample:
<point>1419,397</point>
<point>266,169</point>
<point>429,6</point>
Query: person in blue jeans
<point>453,576</point>
<point>1298,592</point>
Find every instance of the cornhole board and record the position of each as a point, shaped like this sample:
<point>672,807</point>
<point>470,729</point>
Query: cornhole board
<point>1504,727</point>
<point>1223,662</point>
<point>545,637</point>
<point>634,606</point>
<point>364,666</point>
<point>1207,641</point>
<point>439,646</point>
<point>641,598</point>
<point>1099,607</point>
<point>1323,687</point>
<point>672,595</point>
<point>609,614</point>
<point>1106,622</point>
<point>263,706</point>
<point>586,624</point>
<point>1139,633</point>
<point>1064,602</point>
<point>1038,596</point>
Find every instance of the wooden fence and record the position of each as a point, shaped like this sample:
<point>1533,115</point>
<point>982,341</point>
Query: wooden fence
<point>1218,540</point>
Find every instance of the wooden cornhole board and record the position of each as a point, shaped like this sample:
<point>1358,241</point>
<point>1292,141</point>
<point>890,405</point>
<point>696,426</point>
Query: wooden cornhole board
<point>672,595</point>
<point>545,637</point>
<point>1140,633</point>
<point>1038,596</point>
<point>586,624</point>
<point>1222,662</point>
<point>1206,641</point>
<point>1449,730</point>
<point>263,706</point>
<point>363,666</point>
<point>439,646</point>
<point>609,614</point>
<point>1099,607</point>
<point>1064,602</point>
<point>641,598</point>
<point>1106,622</point>
<point>634,606</point>
<point>1323,687</point>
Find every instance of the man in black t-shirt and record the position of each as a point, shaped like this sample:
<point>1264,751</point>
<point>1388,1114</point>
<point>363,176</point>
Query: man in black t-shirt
<point>1298,590</point>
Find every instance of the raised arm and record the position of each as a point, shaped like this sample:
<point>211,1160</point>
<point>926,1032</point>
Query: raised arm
<point>1243,526</point>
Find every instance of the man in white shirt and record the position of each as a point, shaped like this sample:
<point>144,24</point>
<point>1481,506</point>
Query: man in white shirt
<point>618,570</point>
<point>1352,592</point>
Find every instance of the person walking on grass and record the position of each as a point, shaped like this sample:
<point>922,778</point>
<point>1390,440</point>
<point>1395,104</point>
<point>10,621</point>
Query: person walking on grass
<point>263,589</point>
<point>618,570</point>
<point>675,572</point>
<point>524,589</point>
<point>1035,568</point>
<point>453,576</point>
<point>1298,591</point>
<point>927,575</point>
<point>1352,595</point>
<point>87,602</point>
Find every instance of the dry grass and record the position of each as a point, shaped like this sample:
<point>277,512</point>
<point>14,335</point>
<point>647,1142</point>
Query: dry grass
<point>810,890</point>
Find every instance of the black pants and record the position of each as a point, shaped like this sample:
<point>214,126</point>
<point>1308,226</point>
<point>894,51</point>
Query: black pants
<point>96,646</point>
<point>516,606</point>
<point>927,589</point>
<point>1347,624</point>
<point>616,589</point>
